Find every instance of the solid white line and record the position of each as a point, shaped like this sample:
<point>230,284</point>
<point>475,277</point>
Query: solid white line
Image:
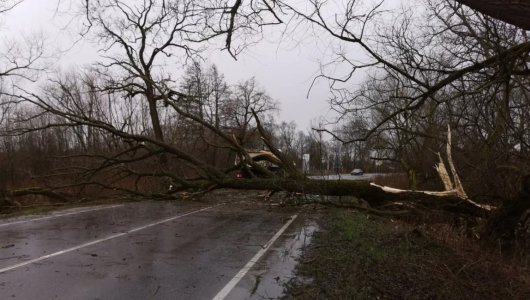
<point>230,285</point>
<point>58,215</point>
<point>101,240</point>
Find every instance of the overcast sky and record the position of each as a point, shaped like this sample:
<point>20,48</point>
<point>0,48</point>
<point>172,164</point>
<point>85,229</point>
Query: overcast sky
<point>285,70</point>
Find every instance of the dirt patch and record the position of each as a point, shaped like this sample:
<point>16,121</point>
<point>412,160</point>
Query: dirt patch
<point>356,256</point>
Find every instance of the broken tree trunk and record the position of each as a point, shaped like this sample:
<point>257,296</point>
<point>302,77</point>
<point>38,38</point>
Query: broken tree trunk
<point>451,182</point>
<point>374,195</point>
<point>456,179</point>
<point>444,175</point>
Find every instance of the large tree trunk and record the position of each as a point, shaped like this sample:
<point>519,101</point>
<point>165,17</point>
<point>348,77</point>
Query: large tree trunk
<point>511,223</point>
<point>372,194</point>
<point>155,121</point>
<point>515,12</point>
<point>153,113</point>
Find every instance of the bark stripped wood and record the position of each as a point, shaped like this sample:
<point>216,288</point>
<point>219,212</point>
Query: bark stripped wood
<point>450,193</point>
<point>392,190</point>
<point>444,175</point>
<point>451,182</point>
<point>456,179</point>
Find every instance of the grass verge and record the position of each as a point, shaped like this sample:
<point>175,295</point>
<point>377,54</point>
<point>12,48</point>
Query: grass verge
<point>359,257</point>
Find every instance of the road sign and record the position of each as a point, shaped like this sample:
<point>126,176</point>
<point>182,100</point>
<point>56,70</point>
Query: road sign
<point>305,163</point>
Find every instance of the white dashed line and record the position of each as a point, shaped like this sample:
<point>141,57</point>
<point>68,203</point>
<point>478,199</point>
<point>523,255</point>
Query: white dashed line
<point>230,285</point>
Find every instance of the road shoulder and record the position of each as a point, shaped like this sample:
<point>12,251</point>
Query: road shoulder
<point>355,256</point>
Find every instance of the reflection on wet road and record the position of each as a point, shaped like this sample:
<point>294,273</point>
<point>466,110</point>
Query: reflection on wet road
<point>268,278</point>
<point>149,250</point>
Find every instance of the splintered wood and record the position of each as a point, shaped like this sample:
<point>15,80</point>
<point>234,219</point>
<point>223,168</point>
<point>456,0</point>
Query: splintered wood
<point>451,182</point>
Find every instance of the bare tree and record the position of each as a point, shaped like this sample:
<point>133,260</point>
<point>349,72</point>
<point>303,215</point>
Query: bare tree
<point>207,95</point>
<point>18,57</point>
<point>141,37</point>
<point>351,27</point>
<point>246,100</point>
<point>137,37</point>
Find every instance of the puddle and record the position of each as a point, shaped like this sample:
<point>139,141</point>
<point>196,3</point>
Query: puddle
<point>269,276</point>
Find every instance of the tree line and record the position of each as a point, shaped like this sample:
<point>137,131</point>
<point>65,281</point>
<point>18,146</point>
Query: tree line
<point>125,124</point>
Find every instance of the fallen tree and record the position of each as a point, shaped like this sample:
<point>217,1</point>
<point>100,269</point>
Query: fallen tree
<point>375,196</point>
<point>380,200</point>
<point>148,144</point>
<point>208,177</point>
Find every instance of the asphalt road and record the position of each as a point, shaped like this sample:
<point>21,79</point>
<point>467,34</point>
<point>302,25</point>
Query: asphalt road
<point>151,250</point>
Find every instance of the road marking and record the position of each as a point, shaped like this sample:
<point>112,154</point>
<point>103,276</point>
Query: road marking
<point>101,240</point>
<point>59,215</point>
<point>230,285</point>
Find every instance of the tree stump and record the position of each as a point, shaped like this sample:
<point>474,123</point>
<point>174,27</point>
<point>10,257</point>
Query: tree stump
<point>510,226</point>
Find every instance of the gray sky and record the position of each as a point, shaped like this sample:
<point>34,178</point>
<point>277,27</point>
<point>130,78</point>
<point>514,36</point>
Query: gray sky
<point>284,69</point>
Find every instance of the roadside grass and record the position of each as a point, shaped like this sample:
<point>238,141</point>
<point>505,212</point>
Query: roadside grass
<point>356,256</point>
<point>354,230</point>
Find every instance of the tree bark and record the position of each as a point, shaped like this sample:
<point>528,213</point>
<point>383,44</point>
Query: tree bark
<point>515,12</point>
<point>153,113</point>
<point>364,190</point>
<point>502,227</point>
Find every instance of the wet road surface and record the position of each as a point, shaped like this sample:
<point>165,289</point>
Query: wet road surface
<point>151,250</point>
